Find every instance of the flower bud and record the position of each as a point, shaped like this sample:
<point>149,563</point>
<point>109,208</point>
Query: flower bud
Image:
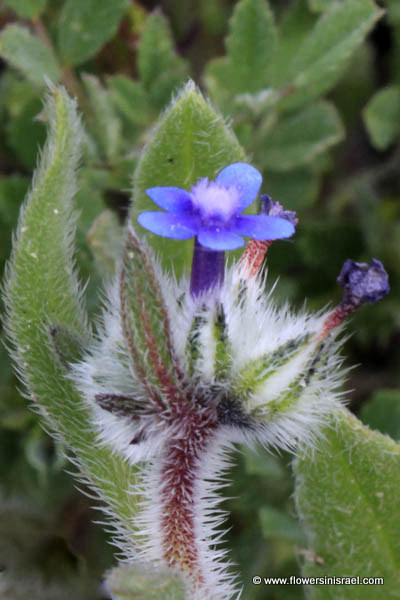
<point>363,282</point>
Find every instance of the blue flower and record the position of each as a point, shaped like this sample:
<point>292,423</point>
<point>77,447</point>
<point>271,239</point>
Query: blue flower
<point>211,211</point>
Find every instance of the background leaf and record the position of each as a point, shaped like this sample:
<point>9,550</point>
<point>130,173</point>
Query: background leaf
<point>382,412</point>
<point>298,138</point>
<point>105,124</point>
<point>321,5</point>
<point>29,9</point>
<point>327,50</point>
<point>28,54</point>
<point>382,117</point>
<point>131,99</point>
<point>84,27</point>
<point>250,46</point>
<point>161,70</point>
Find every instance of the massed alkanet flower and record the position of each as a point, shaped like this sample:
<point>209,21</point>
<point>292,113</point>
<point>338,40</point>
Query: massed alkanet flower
<point>212,211</point>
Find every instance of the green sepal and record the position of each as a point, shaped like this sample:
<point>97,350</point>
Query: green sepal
<point>223,358</point>
<point>256,372</point>
<point>145,323</point>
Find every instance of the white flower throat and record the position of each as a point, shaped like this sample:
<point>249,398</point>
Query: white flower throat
<point>214,201</point>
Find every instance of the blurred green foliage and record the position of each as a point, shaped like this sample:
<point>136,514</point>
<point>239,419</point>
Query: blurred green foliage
<point>311,89</point>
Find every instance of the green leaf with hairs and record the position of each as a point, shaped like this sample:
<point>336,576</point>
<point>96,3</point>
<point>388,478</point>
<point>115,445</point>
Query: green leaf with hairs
<point>190,141</point>
<point>42,291</point>
<point>84,27</point>
<point>28,54</point>
<point>347,492</point>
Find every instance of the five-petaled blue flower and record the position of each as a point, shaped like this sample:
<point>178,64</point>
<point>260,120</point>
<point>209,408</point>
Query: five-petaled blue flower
<point>211,211</point>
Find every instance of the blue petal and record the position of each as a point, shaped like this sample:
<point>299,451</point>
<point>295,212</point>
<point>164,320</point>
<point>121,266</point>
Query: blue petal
<point>173,199</point>
<point>245,178</point>
<point>262,227</point>
<point>219,239</point>
<point>177,227</point>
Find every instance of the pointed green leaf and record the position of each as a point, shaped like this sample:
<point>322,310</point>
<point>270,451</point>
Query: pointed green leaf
<point>28,9</point>
<point>347,496</point>
<point>42,290</point>
<point>84,27</point>
<point>327,50</point>
<point>191,141</point>
<point>298,138</point>
<point>382,117</point>
<point>160,68</point>
<point>28,54</point>
<point>128,582</point>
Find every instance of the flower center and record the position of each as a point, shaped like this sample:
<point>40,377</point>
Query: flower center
<point>213,202</point>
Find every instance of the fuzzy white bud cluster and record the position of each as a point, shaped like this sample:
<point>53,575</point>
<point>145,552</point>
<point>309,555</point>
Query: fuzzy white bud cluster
<point>175,379</point>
